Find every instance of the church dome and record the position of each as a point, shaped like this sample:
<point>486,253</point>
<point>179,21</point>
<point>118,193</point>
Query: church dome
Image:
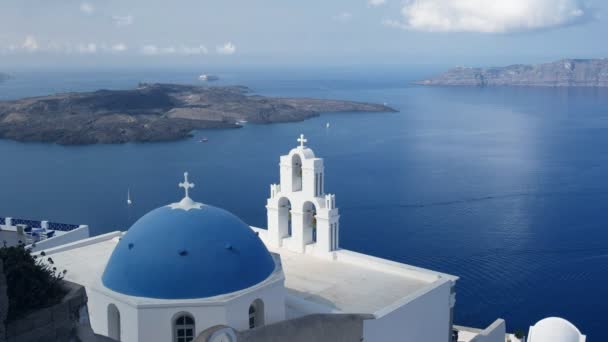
<point>555,329</point>
<point>187,250</point>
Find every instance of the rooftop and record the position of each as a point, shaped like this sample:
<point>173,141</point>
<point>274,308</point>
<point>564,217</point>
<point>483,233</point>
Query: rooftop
<point>350,282</point>
<point>314,284</point>
<point>343,286</point>
<point>85,260</point>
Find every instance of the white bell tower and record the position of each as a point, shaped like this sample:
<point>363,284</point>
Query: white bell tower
<point>301,217</point>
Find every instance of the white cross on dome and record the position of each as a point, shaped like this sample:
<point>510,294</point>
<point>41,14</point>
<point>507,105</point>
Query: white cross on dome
<point>186,185</point>
<point>186,203</point>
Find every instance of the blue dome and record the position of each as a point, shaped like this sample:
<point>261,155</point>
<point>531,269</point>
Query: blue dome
<point>184,254</point>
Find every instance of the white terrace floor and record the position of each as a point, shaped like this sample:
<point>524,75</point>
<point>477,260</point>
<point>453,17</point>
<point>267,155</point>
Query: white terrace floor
<point>84,264</point>
<point>344,287</point>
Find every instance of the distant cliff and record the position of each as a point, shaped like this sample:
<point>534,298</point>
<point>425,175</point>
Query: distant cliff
<point>4,77</point>
<point>564,73</point>
<point>153,112</point>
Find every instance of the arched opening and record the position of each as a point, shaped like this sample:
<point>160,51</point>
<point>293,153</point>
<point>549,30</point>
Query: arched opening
<point>113,322</point>
<point>285,218</point>
<point>256,314</point>
<point>310,222</point>
<point>296,175</point>
<point>183,328</point>
<point>222,336</point>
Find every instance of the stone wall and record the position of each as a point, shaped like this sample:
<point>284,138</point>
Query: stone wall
<point>3,303</point>
<point>55,323</point>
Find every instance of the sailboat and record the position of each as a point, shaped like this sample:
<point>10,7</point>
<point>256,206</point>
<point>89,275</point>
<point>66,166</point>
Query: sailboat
<point>327,125</point>
<point>129,202</point>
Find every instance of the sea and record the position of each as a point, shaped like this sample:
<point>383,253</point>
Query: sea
<point>503,187</point>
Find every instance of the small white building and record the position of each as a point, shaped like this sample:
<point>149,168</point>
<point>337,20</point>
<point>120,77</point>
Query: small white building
<point>189,269</point>
<point>555,329</point>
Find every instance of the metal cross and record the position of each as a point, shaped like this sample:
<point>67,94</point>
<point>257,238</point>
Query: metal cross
<point>186,185</point>
<point>302,140</point>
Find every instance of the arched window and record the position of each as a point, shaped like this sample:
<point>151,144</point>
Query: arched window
<point>183,328</point>
<point>256,314</point>
<point>113,322</point>
<point>310,222</point>
<point>296,173</point>
<point>285,222</point>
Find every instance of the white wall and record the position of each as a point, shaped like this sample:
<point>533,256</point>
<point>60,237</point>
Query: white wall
<point>77,234</point>
<point>98,315</point>
<point>496,332</point>
<point>153,320</point>
<point>426,318</point>
<point>273,297</point>
<point>156,324</point>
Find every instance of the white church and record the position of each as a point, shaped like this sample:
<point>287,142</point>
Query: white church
<point>189,271</point>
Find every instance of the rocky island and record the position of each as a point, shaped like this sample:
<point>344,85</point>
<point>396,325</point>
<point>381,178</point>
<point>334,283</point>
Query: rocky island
<point>4,77</point>
<point>563,73</point>
<point>153,112</point>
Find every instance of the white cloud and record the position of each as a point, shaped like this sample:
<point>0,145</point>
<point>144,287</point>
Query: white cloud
<point>87,8</point>
<point>87,48</point>
<point>120,47</point>
<point>488,16</point>
<point>376,3</point>
<point>343,17</point>
<point>193,50</point>
<point>226,49</point>
<point>30,44</point>
<point>150,50</point>
<point>154,50</point>
<point>121,21</point>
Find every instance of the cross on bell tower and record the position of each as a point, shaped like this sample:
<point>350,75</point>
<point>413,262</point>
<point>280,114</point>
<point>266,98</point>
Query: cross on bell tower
<point>302,140</point>
<point>186,185</point>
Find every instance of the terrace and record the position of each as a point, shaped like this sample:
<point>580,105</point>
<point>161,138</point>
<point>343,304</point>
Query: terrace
<point>39,234</point>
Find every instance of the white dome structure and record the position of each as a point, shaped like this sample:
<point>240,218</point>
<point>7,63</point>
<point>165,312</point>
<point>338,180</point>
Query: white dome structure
<point>555,329</point>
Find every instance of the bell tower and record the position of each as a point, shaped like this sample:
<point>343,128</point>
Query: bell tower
<point>301,216</point>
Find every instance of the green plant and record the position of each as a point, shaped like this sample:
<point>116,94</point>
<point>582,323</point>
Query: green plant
<point>519,333</point>
<point>32,281</point>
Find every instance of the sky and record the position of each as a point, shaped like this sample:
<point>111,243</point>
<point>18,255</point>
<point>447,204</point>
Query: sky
<point>131,33</point>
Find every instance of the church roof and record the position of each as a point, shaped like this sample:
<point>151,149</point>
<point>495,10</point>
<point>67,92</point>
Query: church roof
<point>187,250</point>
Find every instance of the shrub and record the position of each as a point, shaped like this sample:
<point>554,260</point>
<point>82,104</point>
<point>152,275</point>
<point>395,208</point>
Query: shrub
<point>32,283</point>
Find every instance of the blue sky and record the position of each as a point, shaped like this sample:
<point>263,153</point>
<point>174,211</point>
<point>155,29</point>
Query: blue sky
<point>72,33</point>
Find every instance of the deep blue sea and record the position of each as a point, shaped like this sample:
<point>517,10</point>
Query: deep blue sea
<point>506,188</point>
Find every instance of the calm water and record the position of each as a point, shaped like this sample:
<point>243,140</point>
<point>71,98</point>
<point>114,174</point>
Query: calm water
<point>503,187</point>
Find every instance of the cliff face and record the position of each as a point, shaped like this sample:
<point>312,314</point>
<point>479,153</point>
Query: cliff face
<point>153,112</point>
<point>563,73</point>
<point>4,77</point>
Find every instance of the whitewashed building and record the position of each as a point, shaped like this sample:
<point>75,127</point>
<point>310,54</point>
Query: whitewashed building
<point>189,269</point>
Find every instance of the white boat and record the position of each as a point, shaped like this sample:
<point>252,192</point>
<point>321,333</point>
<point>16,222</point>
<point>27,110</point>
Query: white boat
<point>327,125</point>
<point>208,78</point>
<point>129,202</point>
